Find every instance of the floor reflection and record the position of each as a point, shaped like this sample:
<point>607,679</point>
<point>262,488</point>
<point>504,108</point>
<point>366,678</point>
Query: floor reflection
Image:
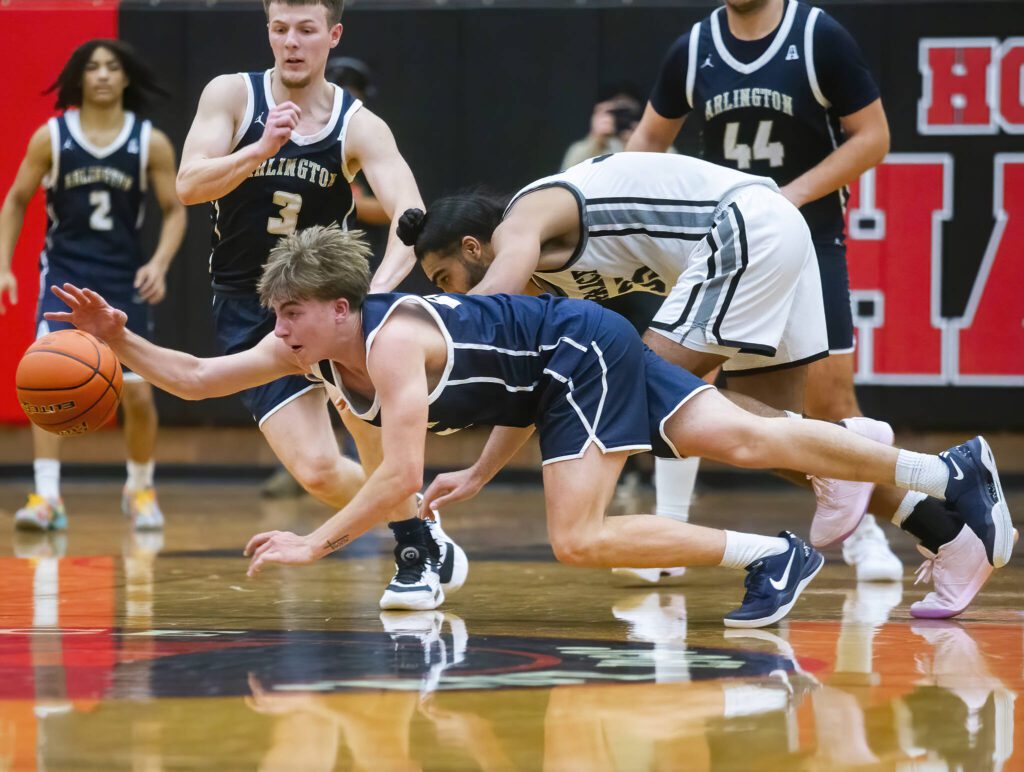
<point>117,662</point>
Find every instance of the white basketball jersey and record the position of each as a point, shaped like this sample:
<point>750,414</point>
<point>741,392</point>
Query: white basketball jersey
<point>641,215</point>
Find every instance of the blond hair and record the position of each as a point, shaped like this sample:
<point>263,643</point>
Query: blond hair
<point>334,8</point>
<point>317,263</point>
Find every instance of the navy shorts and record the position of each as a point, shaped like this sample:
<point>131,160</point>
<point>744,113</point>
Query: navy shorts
<point>835,291</point>
<point>600,392</point>
<point>116,290</point>
<point>240,322</point>
<point>669,387</point>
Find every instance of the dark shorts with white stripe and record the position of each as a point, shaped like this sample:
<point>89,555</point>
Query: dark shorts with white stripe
<point>835,290</point>
<point>240,322</point>
<point>616,394</point>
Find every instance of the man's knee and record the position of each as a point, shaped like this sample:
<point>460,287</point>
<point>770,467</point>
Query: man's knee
<point>830,394</point>
<point>742,444</point>
<point>137,400</point>
<point>321,474</point>
<point>834,403</point>
<point>577,548</point>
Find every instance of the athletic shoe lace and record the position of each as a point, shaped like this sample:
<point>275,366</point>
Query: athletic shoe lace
<point>756,583</point>
<point>925,571</point>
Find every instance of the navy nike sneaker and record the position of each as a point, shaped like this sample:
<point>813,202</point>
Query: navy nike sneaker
<point>773,584</point>
<point>973,490</point>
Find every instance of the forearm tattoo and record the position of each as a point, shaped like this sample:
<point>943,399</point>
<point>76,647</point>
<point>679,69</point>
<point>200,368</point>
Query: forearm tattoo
<point>338,543</point>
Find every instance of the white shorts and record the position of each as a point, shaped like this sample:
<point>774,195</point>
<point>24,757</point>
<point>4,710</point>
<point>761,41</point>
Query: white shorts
<point>751,289</point>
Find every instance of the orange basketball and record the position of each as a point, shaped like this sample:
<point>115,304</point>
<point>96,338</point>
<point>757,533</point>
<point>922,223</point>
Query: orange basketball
<point>69,382</point>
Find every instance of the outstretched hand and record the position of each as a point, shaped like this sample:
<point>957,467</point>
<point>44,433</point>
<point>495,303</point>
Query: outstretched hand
<point>282,547</point>
<point>89,313</point>
<point>450,488</point>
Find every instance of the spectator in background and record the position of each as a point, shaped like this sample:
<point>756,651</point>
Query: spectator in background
<point>611,126</point>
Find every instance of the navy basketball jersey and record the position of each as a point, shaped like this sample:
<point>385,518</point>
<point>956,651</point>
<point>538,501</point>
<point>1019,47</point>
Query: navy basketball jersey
<point>504,353</point>
<point>306,183</point>
<point>95,199</point>
<point>769,116</point>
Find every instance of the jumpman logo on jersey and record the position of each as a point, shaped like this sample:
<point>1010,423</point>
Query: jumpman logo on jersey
<point>133,147</point>
<point>259,120</point>
<point>791,54</point>
<point>67,144</point>
<point>707,62</point>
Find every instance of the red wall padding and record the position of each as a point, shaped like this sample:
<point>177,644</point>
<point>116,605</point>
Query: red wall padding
<point>36,37</point>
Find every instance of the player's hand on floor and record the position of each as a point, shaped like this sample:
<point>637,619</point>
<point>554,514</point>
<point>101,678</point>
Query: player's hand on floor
<point>282,547</point>
<point>150,283</point>
<point>89,312</point>
<point>9,285</point>
<point>450,488</point>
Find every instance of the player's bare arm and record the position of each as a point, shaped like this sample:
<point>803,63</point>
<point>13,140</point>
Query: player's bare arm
<point>453,487</point>
<point>175,372</point>
<point>867,142</point>
<point>34,166</point>
<point>655,133</point>
<point>397,367</point>
<point>540,232</point>
<point>209,170</point>
<point>150,278</point>
<point>370,147</point>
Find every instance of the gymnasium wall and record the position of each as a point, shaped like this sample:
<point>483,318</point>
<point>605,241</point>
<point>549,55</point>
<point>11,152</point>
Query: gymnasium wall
<point>496,95</point>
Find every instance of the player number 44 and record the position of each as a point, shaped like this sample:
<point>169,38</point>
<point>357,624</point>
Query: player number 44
<point>763,150</point>
<point>285,225</point>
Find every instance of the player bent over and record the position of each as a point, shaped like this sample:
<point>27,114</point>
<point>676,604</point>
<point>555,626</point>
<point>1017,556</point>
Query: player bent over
<point>577,372</point>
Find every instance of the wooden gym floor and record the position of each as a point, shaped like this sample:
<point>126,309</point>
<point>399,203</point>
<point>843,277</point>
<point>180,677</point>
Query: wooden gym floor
<point>151,652</point>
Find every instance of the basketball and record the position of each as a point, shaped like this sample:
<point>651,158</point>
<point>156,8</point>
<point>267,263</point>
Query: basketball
<point>69,383</point>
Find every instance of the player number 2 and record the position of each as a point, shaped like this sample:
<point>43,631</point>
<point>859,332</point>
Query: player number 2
<point>763,150</point>
<point>290,204</point>
<point>100,220</point>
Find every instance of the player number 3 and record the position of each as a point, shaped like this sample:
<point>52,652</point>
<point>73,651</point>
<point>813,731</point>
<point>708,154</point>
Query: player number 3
<point>763,150</point>
<point>286,224</point>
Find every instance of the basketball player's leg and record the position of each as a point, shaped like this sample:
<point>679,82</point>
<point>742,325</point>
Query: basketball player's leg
<point>429,565</point>
<point>674,478</point>
<point>830,390</point>
<point>577,493</point>
<point>831,396</point>
<point>291,412</point>
<point>44,509</point>
<point>300,434</point>
<point>711,426</point>
<point>585,437</point>
<point>830,393</point>
<point>138,500</point>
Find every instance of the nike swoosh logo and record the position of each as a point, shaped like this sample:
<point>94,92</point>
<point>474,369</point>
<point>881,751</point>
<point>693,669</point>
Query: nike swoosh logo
<point>959,474</point>
<point>781,583</point>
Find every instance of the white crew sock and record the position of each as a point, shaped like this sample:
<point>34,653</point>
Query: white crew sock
<point>674,479</point>
<point>911,500</point>
<point>47,474</point>
<point>742,549</point>
<point>923,473</point>
<point>140,476</point>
